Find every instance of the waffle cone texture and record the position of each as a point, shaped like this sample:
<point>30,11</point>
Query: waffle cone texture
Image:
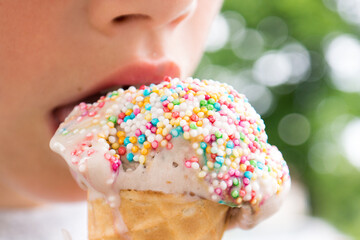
<point>152,215</point>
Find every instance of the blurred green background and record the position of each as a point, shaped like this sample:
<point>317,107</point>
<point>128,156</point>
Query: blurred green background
<point>298,62</point>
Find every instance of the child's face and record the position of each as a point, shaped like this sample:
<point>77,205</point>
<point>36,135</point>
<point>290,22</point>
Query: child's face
<point>56,53</point>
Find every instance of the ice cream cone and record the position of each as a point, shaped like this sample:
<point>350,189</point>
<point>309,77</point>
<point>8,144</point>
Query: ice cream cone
<point>156,216</point>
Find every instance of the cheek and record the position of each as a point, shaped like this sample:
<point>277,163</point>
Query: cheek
<point>189,39</point>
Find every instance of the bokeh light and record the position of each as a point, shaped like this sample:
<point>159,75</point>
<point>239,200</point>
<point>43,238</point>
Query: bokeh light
<point>294,129</point>
<point>274,30</point>
<point>350,141</point>
<point>343,57</point>
<point>219,34</point>
<point>248,44</point>
<point>260,98</point>
<point>324,157</point>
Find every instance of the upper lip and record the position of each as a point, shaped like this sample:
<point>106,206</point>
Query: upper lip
<point>134,74</point>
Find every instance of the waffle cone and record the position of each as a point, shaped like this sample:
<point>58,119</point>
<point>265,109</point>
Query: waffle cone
<point>157,216</point>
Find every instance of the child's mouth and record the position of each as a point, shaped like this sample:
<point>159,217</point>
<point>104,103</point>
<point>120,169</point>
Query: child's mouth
<point>133,75</point>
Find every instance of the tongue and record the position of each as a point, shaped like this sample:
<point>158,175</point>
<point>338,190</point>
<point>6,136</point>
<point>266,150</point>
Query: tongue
<point>62,112</point>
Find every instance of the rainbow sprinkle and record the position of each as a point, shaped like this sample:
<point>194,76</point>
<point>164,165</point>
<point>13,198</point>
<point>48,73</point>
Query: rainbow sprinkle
<point>227,135</point>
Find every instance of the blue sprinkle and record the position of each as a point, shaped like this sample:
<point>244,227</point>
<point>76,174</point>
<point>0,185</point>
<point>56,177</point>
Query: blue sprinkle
<point>217,106</point>
<point>219,159</point>
<point>130,157</point>
<point>180,86</point>
<point>217,165</point>
<point>163,98</point>
<point>126,141</point>
<point>152,85</point>
<point>154,121</point>
<point>260,165</point>
<point>126,118</point>
<point>258,128</point>
<point>141,139</point>
<point>203,145</point>
<point>174,133</point>
<point>179,129</point>
<point>230,144</point>
<point>132,116</point>
<point>148,107</point>
<point>146,92</point>
<point>248,174</point>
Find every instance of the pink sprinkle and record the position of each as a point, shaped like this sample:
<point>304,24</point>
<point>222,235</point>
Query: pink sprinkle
<point>93,113</point>
<point>207,138</point>
<point>231,172</point>
<point>229,183</point>
<point>136,111</point>
<point>168,137</point>
<point>165,103</point>
<point>230,121</point>
<point>101,104</point>
<point>218,191</point>
<point>148,125</point>
<point>120,121</point>
<point>237,173</point>
<point>107,156</point>
<point>186,96</point>
<point>220,176</point>
<point>79,118</point>
<point>169,146</point>
<point>186,128</point>
<point>246,181</point>
<point>236,142</point>
<point>213,137</point>
<point>153,129</point>
<point>138,132</point>
<point>90,152</point>
<point>82,105</point>
<point>154,144</point>
<point>242,193</point>
<point>226,177</point>
<point>243,159</point>
<point>194,159</point>
<point>188,164</point>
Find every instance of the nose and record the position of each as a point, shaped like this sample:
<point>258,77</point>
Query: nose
<point>108,15</point>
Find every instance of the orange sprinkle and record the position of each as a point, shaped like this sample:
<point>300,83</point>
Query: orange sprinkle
<point>147,144</point>
<point>133,139</point>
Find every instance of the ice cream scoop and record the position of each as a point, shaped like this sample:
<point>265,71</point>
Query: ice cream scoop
<point>201,140</point>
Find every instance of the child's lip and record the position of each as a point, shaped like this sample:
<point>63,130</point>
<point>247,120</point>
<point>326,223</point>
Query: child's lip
<point>136,74</point>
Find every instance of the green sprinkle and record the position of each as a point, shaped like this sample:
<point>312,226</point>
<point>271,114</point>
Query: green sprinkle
<point>236,182</point>
<point>235,193</point>
<point>112,119</point>
<point>218,134</point>
<point>176,102</point>
<point>211,101</point>
<point>242,136</point>
<point>203,103</point>
<point>210,107</point>
<point>193,125</point>
<point>252,162</point>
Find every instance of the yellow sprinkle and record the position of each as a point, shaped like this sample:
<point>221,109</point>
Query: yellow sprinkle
<point>182,100</point>
<point>146,100</point>
<point>144,151</point>
<point>159,130</point>
<point>182,93</point>
<point>115,146</point>
<point>160,125</point>
<point>186,118</point>
<point>174,95</point>
<point>133,101</point>
<point>140,104</point>
<point>147,144</point>
<point>170,106</point>
<point>254,176</point>
<point>143,110</point>
<point>165,131</point>
<point>186,135</point>
<point>243,167</point>
<point>135,149</point>
<point>110,124</point>
<point>254,201</point>
<point>163,143</point>
<point>210,164</point>
<point>177,122</point>
<point>142,159</point>
<point>128,112</point>
<point>202,174</point>
<point>133,139</point>
<point>199,123</point>
<point>121,140</point>
<point>167,115</point>
<point>200,114</point>
<point>172,121</point>
<point>155,90</point>
<point>208,149</point>
<point>101,135</point>
<point>148,117</point>
<point>234,165</point>
<point>279,181</point>
<point>196,109</point>
<point>204,109</point>
<point>120,134</point>
<point>239,200</point>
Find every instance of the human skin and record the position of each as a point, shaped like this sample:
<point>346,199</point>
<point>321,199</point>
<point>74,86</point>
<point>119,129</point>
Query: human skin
<point>52,52</point>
